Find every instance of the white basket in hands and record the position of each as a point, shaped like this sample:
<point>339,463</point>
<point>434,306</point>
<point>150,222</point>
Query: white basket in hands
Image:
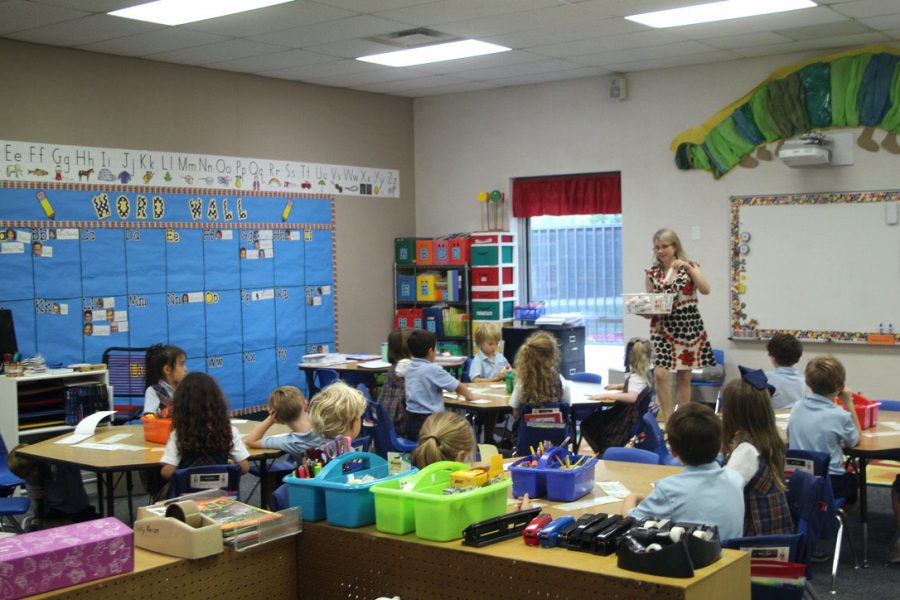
<point>648,303</point>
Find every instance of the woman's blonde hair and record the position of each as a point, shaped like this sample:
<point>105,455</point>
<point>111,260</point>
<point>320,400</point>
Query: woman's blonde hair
<point>288,403</point>
<point>747,416</point>
<point>640,354</point>
<point>537,369</point>
<point>667,236</point>
<point>335,408</point>
<point>444,436</point>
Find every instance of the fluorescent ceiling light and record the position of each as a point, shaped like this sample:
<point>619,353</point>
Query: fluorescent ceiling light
<point>178,12</point>
<point>717,11</point>
<point>434,53</point>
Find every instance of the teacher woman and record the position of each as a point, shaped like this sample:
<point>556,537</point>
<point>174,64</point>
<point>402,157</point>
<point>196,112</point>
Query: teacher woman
<point>680,342</point>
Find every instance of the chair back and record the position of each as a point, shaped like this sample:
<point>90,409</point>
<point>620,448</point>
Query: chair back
<point>280,499</point>
<point>655,440</point>
<point>378,426</point>
<point>812,507</point>
<point>207,477</point>
<point>815,463</point>
<point>789,548</point>
<point>8,480</point>
<point>126,367</point>
<point>634,455</point>
<point>323,378</point>
<point>719,355</point>
<point>586,377</point>
<point>466,367</point>
<point>530,436</point>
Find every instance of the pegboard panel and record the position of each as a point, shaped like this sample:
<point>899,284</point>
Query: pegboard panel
<point>268,573</point>
<point>412,570</point>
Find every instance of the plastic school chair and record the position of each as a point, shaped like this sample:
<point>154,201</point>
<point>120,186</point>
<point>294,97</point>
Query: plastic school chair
<point>655,441</point>
<point>8,481</point>
<point>280,498</point>
<point>788,545</point>
<point>378,426</point>
<point>10,508</point>
<point>323,378</point>
<point>466,367</point>
<point>819,461</point>
<point>633,455</point>
<point>207,477</point>
<point>530,436</point>
<point>586,377</point>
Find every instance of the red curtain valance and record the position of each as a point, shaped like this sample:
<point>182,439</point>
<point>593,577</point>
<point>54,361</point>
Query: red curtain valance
<point>577,195</point>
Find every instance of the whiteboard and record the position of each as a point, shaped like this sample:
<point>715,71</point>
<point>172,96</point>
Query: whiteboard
<point>824,267</point>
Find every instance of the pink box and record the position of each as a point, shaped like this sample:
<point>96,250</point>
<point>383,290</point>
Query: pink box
<point>46,560</point>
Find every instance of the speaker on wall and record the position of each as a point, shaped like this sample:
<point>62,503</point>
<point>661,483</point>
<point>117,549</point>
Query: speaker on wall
<point>618,89</point>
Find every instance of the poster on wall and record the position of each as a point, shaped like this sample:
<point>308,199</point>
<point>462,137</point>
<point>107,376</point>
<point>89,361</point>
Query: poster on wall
<point>243,282</point>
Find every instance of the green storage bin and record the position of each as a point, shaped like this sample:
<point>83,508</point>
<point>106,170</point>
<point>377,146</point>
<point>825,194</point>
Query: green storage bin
<point>394,505</point>
<point>492,310</point>
<point>484,255</point>
<point>442,518</point>
<point>405,251</point>
<point>507,254</point>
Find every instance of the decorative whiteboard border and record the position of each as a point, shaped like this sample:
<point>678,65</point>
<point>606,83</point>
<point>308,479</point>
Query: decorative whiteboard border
<point>743,327</point>
<point>42,162</point>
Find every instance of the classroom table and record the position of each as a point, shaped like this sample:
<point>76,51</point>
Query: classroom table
<point>353,368</point>
<point>106,463</point>
<point>414,568</point>
<point>492,400</point>
<point>880,442</point>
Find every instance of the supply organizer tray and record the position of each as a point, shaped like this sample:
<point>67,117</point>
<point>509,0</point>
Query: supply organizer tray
<point>329,496</point>
<point>549,479</point>
<point>437,516</point>
<point>394,505</point>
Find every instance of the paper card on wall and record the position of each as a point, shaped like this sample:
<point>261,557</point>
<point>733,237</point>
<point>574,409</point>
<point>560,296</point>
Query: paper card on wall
<point>265,244</point>
<point>264,234</point>
<point>98,315</point>
<point>120,315</point>
<point>195,297</point>
<point>46,252</point>
<point>123,326</point>
<point>12,248</point>
<point>252,255</point>
<point>101,330</point>
<point>23,236</point>
<point>317,300</point>
<point>67,234</point>
<point>294,236</point>
<point>268,294</point>
<point>227,234</point>
<point>105,302</point>
<point>63,309</point>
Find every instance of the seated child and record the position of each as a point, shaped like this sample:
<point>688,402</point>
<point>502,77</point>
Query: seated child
<point>393,392</point>
<point>57,491</point>
<point>426,382</point>
<point>202,433</point>
<point>445,436</point>
<point>818,424</point>
<point>337,410</point>
<point>288,407</point>
<point>488,364</point>
<point>753,447</point>
<point>163,371</point>
<point>612,426</point>
<point>703,492</point>
<point>784,351</point>
<point>537,374</point>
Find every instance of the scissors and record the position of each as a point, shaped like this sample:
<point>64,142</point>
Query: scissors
<point>340,445</point>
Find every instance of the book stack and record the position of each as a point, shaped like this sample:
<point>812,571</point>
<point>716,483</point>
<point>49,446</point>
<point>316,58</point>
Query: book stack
<point>83,399</point>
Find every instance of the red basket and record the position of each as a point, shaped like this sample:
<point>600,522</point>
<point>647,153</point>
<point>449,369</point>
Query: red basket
<point>866,410</point>
<point>157,430</point>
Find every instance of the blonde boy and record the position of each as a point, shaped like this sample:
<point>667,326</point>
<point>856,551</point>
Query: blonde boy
<point>337,410</point>
<point>488,364</point>
<point>288,407</point>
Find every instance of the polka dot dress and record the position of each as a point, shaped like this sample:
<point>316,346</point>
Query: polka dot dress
<point>679,339</point>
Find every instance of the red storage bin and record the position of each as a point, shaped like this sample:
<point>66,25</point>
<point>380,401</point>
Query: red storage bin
<point>424,252</point>
<point>866,410</point>
<point>485,276</point>
<point>459,251</point>
<point>442,252</point>
<point>493,295</point>
<point>492,238</point>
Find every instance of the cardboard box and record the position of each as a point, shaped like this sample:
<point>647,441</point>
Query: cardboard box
<point>46,560</point>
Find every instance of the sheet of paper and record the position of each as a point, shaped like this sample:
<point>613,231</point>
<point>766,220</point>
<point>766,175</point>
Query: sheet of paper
<point>882,434</point>
<point>374,364</point>
<point>588,503</point>
<point>784,416</point>
<point>493,395</point>
<point>96,446</point>
<point>238,421</point>
<point>614,488</point>
<point>498,385</point>
<point>114,438</point>
<point>86,427</point>
<point>891,424</point>
<point>480,401</point>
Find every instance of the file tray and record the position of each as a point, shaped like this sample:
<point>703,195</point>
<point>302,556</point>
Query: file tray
<point>329,496</point>
<point>675,558</point>
<point>394,505</point>
<point>550,480</point>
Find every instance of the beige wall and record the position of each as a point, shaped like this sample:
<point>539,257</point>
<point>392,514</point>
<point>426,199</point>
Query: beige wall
<point>71,97</point>
<point>471,142</point>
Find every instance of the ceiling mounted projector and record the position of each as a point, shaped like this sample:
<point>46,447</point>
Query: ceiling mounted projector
<point>810,150</point>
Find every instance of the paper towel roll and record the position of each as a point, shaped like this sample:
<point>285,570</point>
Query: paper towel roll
<point>186,512</point>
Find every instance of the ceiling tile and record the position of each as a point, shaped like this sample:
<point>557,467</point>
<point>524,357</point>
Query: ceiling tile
<point>550,34</point>
<point>270,62</point>
<point>621,8</point>
<point>447,11</point>
<point>153,42</point>
<point>883,23</point>
<point>370,77</point>
<point>528,68</point>
<point>641,54</point>
<point>674,61</point>
<point>610,43</point>
<point>324,69</point>
<point>480,62</point>
<point>18,15</point>
<point>93,6</point>
<point>826,44</point>
<point>419,83</point>
<point>94,28</point>
<point>461,88</point>
<point>217,52</point>
<point>866,8</point>
<point>825,30</point>
<point>350,48</point>
<point>372,6</point>
<point>794,18</point>
<point>533,78</point>
<point>272,18</point>
<point>747,40</point>
<point>333,31</point>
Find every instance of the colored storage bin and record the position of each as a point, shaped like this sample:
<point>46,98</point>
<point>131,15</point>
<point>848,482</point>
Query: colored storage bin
<point>492,238</point>
<point>484,255</point>
<point>156,430</point>
<point>434,320</point>
<point>487,310</point>
<point>866,410</point>
<point>426,288</point>
<point>424,252</point>
<point>406,288</point>
<point>394,505</point>
<point>459,251</point>
<point>493,294</point>
<point>408,318</point>
<point>492,276</point>
<point>405,251</point>
<point>442,252</point>
<point>329,496</point>
<point>550,480</point>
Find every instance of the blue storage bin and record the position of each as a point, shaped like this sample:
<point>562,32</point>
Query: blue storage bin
<point>406,288</point>
<point>549,480</point>
<point>329,496</point>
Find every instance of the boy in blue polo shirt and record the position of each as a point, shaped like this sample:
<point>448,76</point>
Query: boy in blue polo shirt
<point>426,382</point>
<point>703,492</point>
<point>820,425</point>
<point>785,351</point>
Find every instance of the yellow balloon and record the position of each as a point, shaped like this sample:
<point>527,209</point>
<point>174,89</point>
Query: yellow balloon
<point>482,196</point>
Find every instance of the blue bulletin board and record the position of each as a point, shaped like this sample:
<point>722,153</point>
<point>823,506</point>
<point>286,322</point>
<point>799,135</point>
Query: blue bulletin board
<point>243,282</point>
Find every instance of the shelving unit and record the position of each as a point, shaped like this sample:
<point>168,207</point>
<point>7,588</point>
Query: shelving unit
<point>411,286</point>
<point>34,406</point>
<point>494,290</point>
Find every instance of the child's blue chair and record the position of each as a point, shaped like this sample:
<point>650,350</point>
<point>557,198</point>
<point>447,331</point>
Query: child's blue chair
<point>586,377</point>
<point>793,543</point>
<point>466,367</point>
<point>582,411</point>
<point>10,507</point>
<point>633,455</point>
<point>182,479</point>
<point>655,441</point>
<point>8,481</point>
<point>530,437</point>
<point>280,498</point>
<point>323,378</point>
<point>378,426</point>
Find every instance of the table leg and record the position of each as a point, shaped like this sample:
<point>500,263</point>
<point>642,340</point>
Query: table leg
<point>489,423</point>
<point>129,486</point>
<point>863,509</point>
<point>265,489</point>
<point>99,493</point>
<point>110,494</point>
